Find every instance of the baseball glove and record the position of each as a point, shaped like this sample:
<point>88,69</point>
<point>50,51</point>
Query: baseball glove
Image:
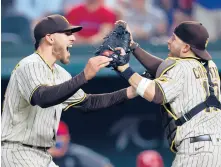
<point>119,37</point>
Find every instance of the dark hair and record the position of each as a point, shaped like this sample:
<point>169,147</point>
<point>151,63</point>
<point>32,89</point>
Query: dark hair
<point>37,43</point>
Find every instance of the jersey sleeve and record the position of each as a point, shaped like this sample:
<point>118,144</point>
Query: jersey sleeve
<point>29,78</point>
<point>77,98</point>
<point>171,83</point>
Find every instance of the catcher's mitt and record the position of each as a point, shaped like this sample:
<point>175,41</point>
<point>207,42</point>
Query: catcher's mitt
<point>119,37</point>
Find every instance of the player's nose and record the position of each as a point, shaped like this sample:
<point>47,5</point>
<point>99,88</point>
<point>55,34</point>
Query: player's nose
<point>72,37</point>
<point>169,40</point>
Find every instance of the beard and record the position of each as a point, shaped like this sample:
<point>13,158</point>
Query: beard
<point>60,52</point>
<point>65,60</point>
<point>174,53</point>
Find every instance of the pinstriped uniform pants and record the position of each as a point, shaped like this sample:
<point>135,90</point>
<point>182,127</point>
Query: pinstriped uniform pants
<point>16,155</point>
<point>199,154</point>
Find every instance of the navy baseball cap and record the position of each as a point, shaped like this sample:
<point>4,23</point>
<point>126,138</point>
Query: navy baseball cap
<point>53,24</point>
<point>196,35</point>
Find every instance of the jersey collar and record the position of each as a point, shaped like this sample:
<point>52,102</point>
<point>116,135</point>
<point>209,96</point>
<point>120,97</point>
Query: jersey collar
<point>44,61</point>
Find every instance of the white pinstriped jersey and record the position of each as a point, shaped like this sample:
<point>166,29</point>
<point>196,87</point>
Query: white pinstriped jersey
<point>185,86</point>
<point>33,125</point>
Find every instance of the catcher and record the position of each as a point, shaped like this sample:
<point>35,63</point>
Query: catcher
<point>187,86</point>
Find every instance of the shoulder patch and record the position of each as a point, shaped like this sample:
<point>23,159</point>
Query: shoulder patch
<point>165,66</point>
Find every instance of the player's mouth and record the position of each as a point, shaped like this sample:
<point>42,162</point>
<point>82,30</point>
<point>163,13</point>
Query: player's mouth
<point>168,47</point>
<point>69,46</point>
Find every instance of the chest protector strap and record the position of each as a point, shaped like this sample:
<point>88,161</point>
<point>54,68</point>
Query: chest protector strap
<point>211,101</point>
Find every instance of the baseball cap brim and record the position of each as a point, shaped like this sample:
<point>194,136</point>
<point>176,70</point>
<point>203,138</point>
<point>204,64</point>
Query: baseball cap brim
<point>73,29</point>
<point>203,54</point>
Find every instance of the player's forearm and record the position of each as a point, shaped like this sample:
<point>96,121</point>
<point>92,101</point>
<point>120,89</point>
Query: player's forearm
<point>99,101</point>
<point>47,96</point>
<point>149,91</point>
<point>149,61</point>
<point>144,87</point>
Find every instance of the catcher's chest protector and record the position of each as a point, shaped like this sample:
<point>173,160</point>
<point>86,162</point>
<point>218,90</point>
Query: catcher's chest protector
<point>167,120</point>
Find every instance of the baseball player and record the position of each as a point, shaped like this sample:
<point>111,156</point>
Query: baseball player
<point>39,90</point>
<point>187,86</point>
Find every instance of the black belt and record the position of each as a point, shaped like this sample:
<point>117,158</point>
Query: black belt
<point>30,146</point>
<point>45,149</point>
<point>200,138</point>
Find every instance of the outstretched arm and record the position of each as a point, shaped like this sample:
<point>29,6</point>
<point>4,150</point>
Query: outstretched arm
<point>99,101</point>
<point>160,90</point>
<point>145,87</point>
<point>47,96</point>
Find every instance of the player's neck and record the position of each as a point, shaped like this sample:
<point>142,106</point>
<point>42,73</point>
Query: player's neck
<point>46,55</point>
<point>188,55</point>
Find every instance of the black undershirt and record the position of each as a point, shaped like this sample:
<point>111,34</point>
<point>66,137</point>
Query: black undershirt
<point>47,96</point>
<point>98,101</point>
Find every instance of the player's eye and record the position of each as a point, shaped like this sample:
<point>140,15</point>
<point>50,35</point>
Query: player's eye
<point>68,33</point>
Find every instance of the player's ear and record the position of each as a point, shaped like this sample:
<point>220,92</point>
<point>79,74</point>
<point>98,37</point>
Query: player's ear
<point>49,39</point>
<point>186,48</point>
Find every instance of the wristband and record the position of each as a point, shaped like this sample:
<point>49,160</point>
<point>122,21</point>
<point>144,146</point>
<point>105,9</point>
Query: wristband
<point>127,73</point>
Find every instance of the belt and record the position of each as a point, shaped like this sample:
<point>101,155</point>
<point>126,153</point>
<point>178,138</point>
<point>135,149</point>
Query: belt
<point>30,146</point>
<point>45,149</point>
<point>200,138</point>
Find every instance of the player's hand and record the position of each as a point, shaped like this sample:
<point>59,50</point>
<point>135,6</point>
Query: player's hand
<point>124,23</point>
<point>94,65</point>
<point>122,53</point>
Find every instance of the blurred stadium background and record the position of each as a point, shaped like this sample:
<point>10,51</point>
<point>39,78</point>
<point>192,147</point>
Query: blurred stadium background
<point>118,133</point>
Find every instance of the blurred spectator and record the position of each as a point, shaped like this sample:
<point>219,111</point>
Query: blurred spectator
<point>25,14</point>
<point>209,14</point>
<point>145,20</point>
<point>96,20</point>
<point>113,4</point>
<point>68,4</point>
<point>6,6</point>
<point>149,158</point>
<point>62,141</point>
<point>167,6</point>
<point>73,155</point>
<point>35,9</point>
<point>177,11</point>
<point>182,12</point>
<point>118,6</point>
